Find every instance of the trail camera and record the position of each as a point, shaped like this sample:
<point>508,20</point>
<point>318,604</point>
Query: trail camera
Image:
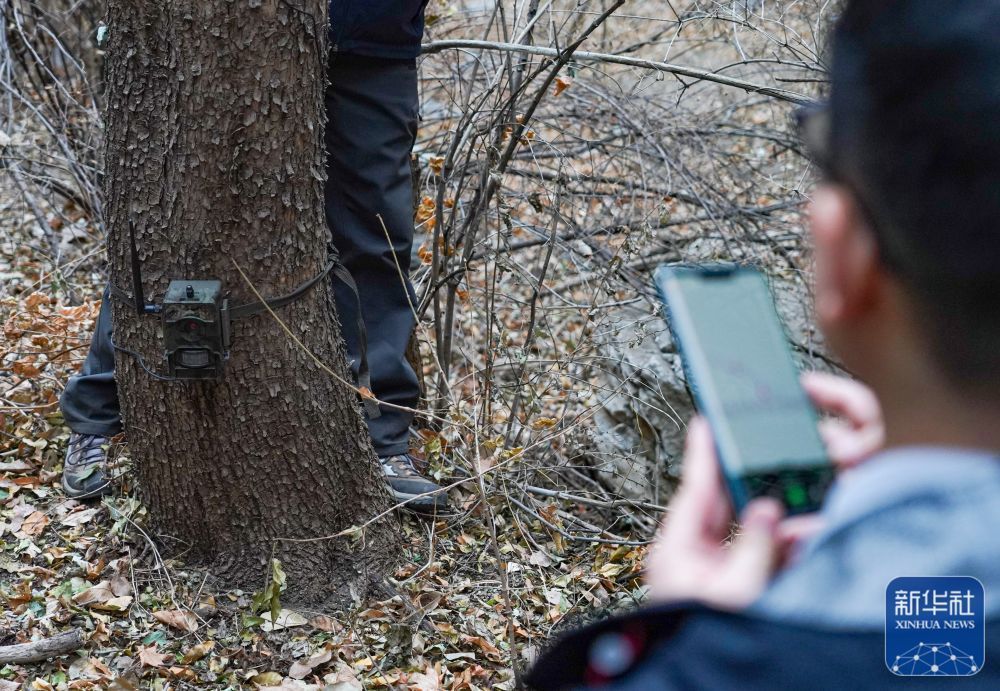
<point>195,329</point>
<point>195,318</point>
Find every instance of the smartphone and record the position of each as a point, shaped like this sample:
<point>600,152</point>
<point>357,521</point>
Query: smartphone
<point>740,370</point>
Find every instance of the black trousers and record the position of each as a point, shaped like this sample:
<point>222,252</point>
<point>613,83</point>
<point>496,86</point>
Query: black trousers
<point>371,106</point>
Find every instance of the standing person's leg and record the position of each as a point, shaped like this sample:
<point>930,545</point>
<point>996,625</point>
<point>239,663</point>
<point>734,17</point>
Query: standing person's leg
<point>372,112</point>
<point>372,122</point>
<point>90,408</point>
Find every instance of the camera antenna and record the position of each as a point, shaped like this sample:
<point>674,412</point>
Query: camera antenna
<point>141,307</point>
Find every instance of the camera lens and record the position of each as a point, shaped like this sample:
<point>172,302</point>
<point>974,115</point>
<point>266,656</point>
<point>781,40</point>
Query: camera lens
<point>190,329</point>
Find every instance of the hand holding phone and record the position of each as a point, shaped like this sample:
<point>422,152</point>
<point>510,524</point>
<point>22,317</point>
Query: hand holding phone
<point>854,429</point>
<point>740,370</point>
<point>763,443</point>
<point>692,559</point>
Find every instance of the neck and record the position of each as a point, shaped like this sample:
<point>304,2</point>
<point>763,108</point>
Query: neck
<point>922,406</point>
<point>926,412</point>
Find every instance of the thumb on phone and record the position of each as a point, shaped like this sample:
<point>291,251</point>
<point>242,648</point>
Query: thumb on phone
<point>754,554</point>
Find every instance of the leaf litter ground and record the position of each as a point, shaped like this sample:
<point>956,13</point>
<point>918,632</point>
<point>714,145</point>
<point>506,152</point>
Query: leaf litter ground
<point>149,621</point>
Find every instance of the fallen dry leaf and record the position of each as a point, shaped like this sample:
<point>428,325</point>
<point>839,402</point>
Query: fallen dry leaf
<point>102,596</point>
<point>302,668</point>
<point>185,673</point>
<point>15,467</point>
<point>115,604</point>
<point>343,678</point>
<point>539,559</point>
<point>36,300</point>
<point>267,679</point>
<point>148,657</point>
<point>16,519</point>
<point>325,623</point>
<point>482,644</point>
<point>25,370</point>
<point>430,680</point>
<point>178,619</point>
<point>77,518</point>
<point>88,668</point>
<point>544,423</point>
<point>286,620</point>
<point>34,524</point>
<point>120,586</point>
<point>100,636</point>
<point>95,594</point>
<point>197,652</point>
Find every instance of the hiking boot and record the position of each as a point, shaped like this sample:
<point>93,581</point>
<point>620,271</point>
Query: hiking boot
<point>84,475</point>
<point>406,483</point>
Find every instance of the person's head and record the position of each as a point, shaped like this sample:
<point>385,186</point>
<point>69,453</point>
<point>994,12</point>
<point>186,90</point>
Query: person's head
<point>907,224</point>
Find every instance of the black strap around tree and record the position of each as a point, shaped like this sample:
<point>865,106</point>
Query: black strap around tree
<point>364,376</point>
<point>252,308</point>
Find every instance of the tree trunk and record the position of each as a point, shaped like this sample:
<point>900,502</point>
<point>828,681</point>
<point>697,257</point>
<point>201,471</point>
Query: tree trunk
<point>214,146</point>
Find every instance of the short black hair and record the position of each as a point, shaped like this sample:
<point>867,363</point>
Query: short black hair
<point>915,133</point>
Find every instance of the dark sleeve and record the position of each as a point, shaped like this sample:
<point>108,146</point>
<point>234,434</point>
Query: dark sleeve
<point>690,647</point>
<point>606,651</point>
<point>654,649</point>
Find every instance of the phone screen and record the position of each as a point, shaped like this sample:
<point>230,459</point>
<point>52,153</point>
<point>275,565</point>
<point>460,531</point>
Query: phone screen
<point>742,374</point>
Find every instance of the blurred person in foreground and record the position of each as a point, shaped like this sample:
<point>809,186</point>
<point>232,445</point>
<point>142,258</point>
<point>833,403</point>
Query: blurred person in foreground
<point>906,231</point>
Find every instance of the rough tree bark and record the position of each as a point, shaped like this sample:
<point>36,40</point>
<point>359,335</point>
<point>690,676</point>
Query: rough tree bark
<point>214,145</point>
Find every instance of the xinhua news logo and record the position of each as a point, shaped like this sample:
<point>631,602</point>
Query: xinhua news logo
<point>935,626</point>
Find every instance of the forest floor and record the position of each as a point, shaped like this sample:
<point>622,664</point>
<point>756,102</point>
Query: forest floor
<point>150,622</point>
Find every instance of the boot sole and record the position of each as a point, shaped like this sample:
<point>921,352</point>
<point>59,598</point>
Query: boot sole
<point>89,494</point>
<point>432,503</point>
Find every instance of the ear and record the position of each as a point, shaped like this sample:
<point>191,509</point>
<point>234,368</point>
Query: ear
<point>847,268</point>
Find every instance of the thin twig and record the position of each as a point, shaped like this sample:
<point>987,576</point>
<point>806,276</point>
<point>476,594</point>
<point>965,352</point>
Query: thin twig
<point>587,56</point>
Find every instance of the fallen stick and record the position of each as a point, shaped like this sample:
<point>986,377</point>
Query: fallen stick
<point>36,651</point>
